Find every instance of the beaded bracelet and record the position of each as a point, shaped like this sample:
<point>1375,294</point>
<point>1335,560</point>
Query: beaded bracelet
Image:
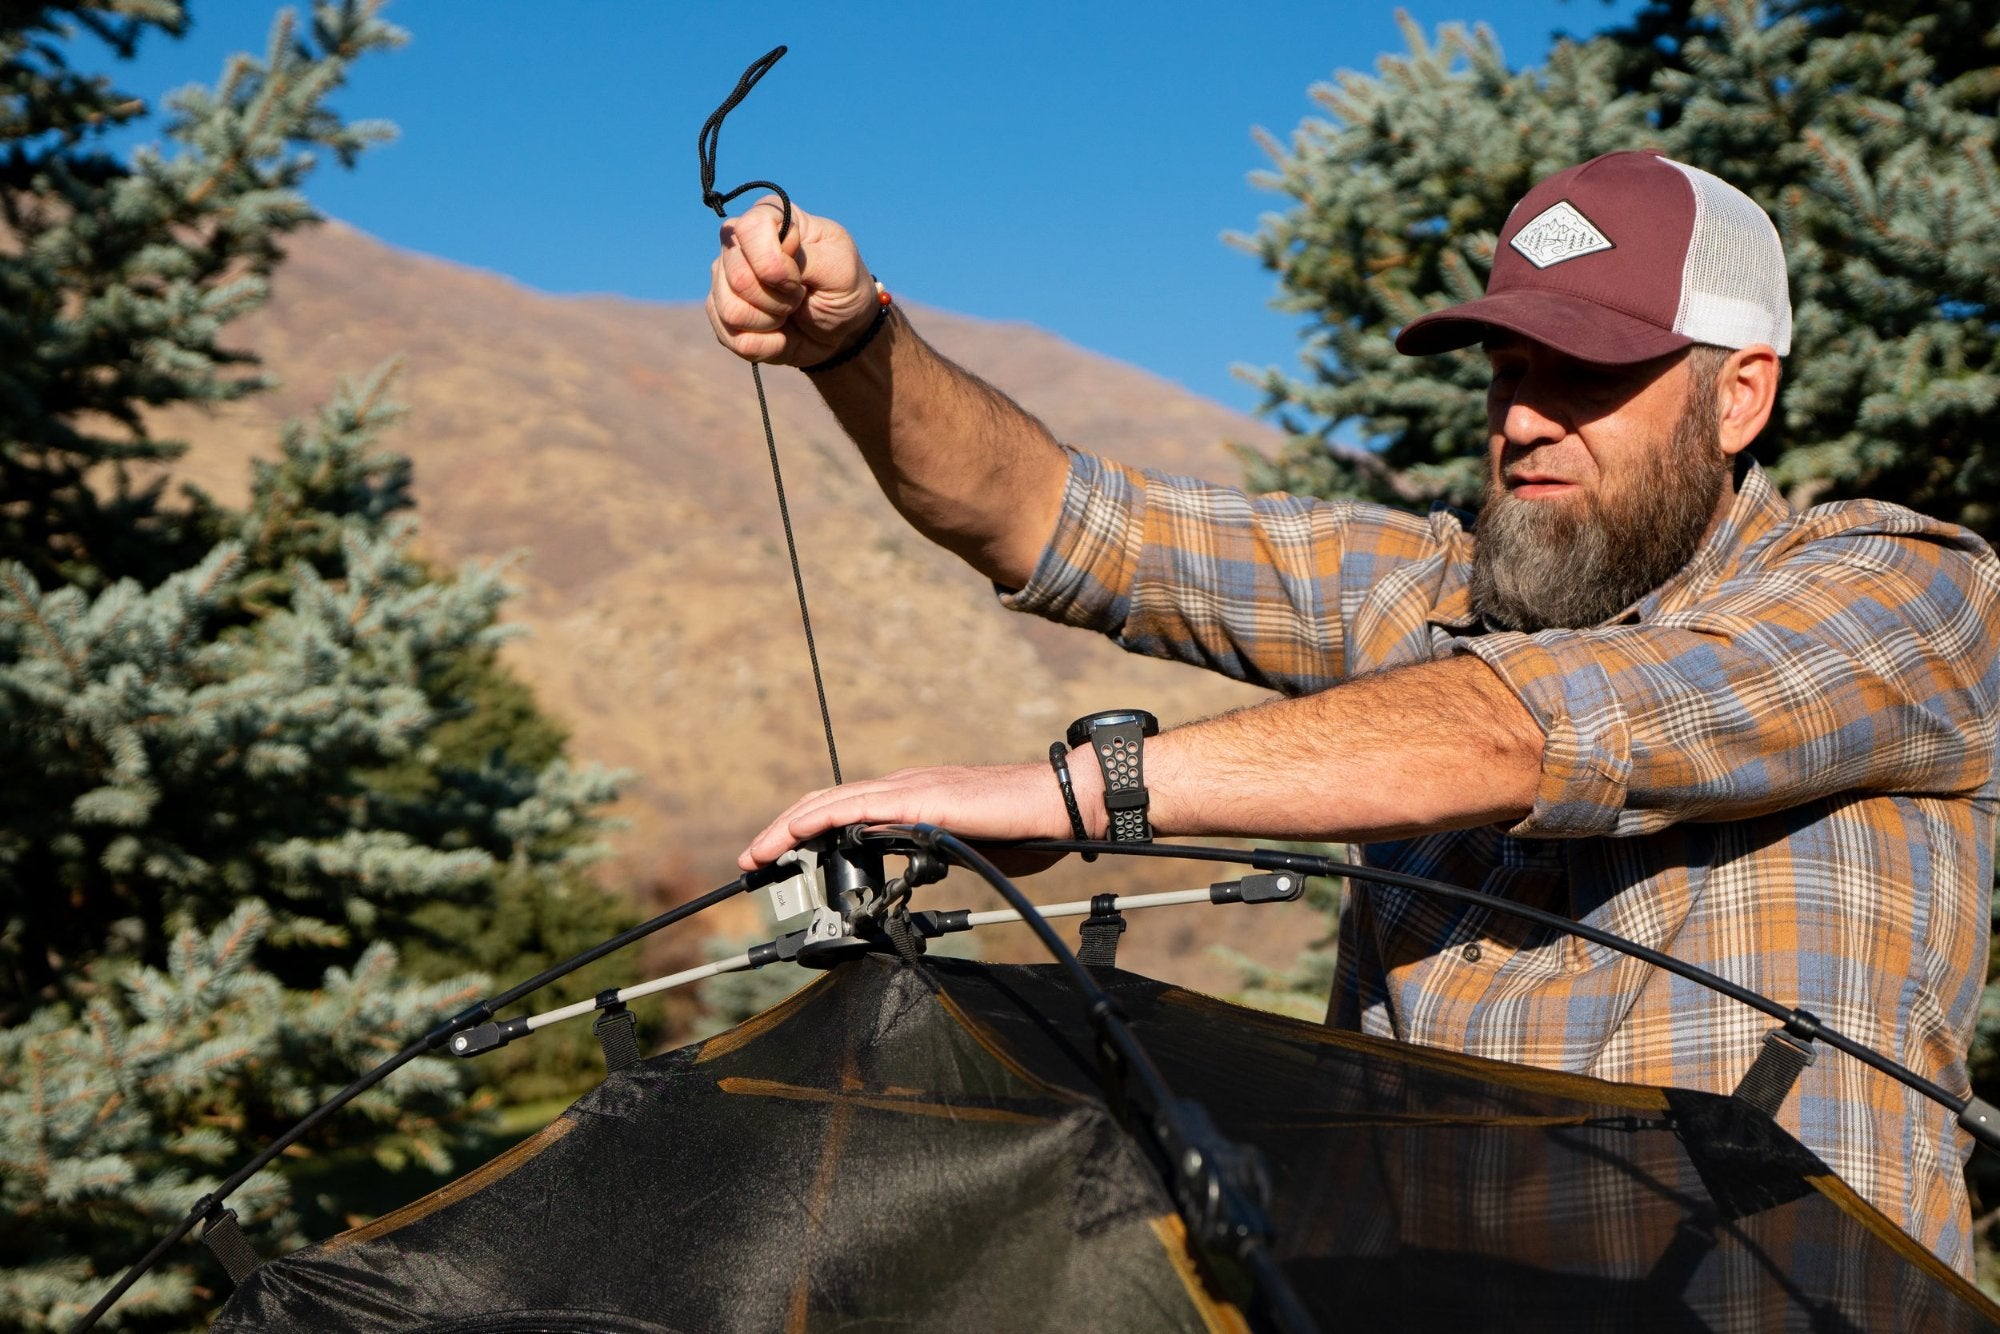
<point>882,303</point>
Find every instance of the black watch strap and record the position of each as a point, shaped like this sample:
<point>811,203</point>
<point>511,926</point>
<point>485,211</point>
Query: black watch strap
<point>1117,738</point>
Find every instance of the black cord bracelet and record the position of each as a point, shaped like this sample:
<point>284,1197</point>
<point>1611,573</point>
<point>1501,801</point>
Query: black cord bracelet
<point>1059,761</point>
<point>882,303</point>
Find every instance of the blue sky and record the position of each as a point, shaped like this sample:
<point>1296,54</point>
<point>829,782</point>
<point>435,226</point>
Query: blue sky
<point>1073,166</point>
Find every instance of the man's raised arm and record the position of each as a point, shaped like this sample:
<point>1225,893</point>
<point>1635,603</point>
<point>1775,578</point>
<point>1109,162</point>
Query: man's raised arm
<point>963,463</point>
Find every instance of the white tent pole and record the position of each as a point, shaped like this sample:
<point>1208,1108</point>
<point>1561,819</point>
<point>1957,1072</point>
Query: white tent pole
<point>740,962</point>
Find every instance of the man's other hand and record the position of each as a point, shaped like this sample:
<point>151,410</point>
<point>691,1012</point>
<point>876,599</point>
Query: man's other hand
<point>1000,801</point>
<point>791,302</point>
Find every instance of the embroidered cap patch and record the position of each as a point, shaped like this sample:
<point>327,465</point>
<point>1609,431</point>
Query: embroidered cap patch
<point>1558,233</point>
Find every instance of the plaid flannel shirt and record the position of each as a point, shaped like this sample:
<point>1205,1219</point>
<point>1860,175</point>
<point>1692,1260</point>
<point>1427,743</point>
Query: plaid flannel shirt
<point>1779,766</point>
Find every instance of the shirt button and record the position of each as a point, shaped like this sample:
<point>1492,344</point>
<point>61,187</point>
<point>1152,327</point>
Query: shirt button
<point>1471,953</point>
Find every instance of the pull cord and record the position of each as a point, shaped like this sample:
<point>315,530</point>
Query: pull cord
<point>711,135</point>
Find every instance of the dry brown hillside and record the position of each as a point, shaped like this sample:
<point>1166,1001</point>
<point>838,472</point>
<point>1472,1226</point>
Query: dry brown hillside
<point>617,447</point>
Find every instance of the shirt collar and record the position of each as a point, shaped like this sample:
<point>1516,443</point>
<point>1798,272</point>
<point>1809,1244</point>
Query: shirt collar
<point>1757,510</point>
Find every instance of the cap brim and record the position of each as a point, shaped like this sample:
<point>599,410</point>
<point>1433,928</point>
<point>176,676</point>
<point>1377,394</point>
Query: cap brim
<point>1583,329</point>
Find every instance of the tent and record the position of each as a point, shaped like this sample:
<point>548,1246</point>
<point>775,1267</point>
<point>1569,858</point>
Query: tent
<point>929,1146</point>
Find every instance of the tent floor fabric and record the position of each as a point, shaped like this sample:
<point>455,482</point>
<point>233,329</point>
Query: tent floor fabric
<point>928,1147</point>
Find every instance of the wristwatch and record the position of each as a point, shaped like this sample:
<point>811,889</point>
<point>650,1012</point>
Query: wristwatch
<point>1117,737</point>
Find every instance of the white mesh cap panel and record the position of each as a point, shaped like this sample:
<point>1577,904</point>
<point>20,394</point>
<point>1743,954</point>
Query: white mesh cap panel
<point>1733,283</point>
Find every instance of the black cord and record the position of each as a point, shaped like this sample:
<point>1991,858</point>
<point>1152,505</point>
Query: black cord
<point>705,145</point>
<point>798,577</point>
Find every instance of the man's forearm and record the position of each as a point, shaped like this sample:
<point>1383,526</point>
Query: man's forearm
<point>966,465</point>
<point>1443,745</point>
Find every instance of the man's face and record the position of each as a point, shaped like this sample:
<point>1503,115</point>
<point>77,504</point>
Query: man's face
<point>1601,482</point>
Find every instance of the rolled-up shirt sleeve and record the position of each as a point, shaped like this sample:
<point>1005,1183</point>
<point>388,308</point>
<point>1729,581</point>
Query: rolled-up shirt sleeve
<point>1269,589</point>
<point>1856,659</point>
<point>1084,577</point>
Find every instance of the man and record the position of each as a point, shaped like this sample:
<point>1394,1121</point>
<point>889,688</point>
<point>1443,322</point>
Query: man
<point>1648,694</point>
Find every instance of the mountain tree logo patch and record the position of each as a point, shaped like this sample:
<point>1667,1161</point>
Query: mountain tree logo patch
<point>1558,233</point>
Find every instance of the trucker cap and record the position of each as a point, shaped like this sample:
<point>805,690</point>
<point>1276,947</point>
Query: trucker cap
<point>1624,258</point>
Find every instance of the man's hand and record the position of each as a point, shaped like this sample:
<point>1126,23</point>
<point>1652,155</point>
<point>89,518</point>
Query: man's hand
<point>1000,801</point>
<point>792,302</point>
<point>961,461</point>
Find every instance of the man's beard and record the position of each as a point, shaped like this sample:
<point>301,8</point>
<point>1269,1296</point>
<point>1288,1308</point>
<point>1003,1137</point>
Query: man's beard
<point>1577,561</point>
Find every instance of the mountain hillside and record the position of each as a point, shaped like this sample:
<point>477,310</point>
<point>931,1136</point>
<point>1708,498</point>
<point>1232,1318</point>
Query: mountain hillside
<point>617,449</point>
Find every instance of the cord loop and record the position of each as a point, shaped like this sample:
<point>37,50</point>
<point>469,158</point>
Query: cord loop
<point>711,137</point>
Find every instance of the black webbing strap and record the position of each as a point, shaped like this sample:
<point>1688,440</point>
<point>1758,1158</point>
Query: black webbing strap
<point>909,942</point>
<point>1771,1076</point>
<point>224,1238</point>
<point>1100,933</point>
<point>617,1030</point>
<point>1693,1242</point>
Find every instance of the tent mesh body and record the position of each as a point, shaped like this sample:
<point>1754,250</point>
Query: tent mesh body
<point>931,1148</point>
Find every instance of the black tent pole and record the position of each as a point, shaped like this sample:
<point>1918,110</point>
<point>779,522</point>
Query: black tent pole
<point>1975,1115</point>
<point>1215,1184</point>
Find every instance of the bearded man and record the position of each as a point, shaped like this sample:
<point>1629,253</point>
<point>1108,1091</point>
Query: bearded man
<point>1647,693</point>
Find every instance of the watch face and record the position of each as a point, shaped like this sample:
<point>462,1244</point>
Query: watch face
<point>1079,731</point>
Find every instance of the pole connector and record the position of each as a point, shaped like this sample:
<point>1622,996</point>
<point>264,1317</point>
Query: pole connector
<point>1224,1187</point>
<point>1981,1120</point>
<point>487,1036</point>
<point>1269,887</point>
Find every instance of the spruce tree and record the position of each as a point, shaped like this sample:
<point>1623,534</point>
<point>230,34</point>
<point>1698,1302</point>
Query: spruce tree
<point>250,758</point>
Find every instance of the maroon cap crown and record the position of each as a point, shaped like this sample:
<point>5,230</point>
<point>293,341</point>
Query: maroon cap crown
<point>1595,261</point>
